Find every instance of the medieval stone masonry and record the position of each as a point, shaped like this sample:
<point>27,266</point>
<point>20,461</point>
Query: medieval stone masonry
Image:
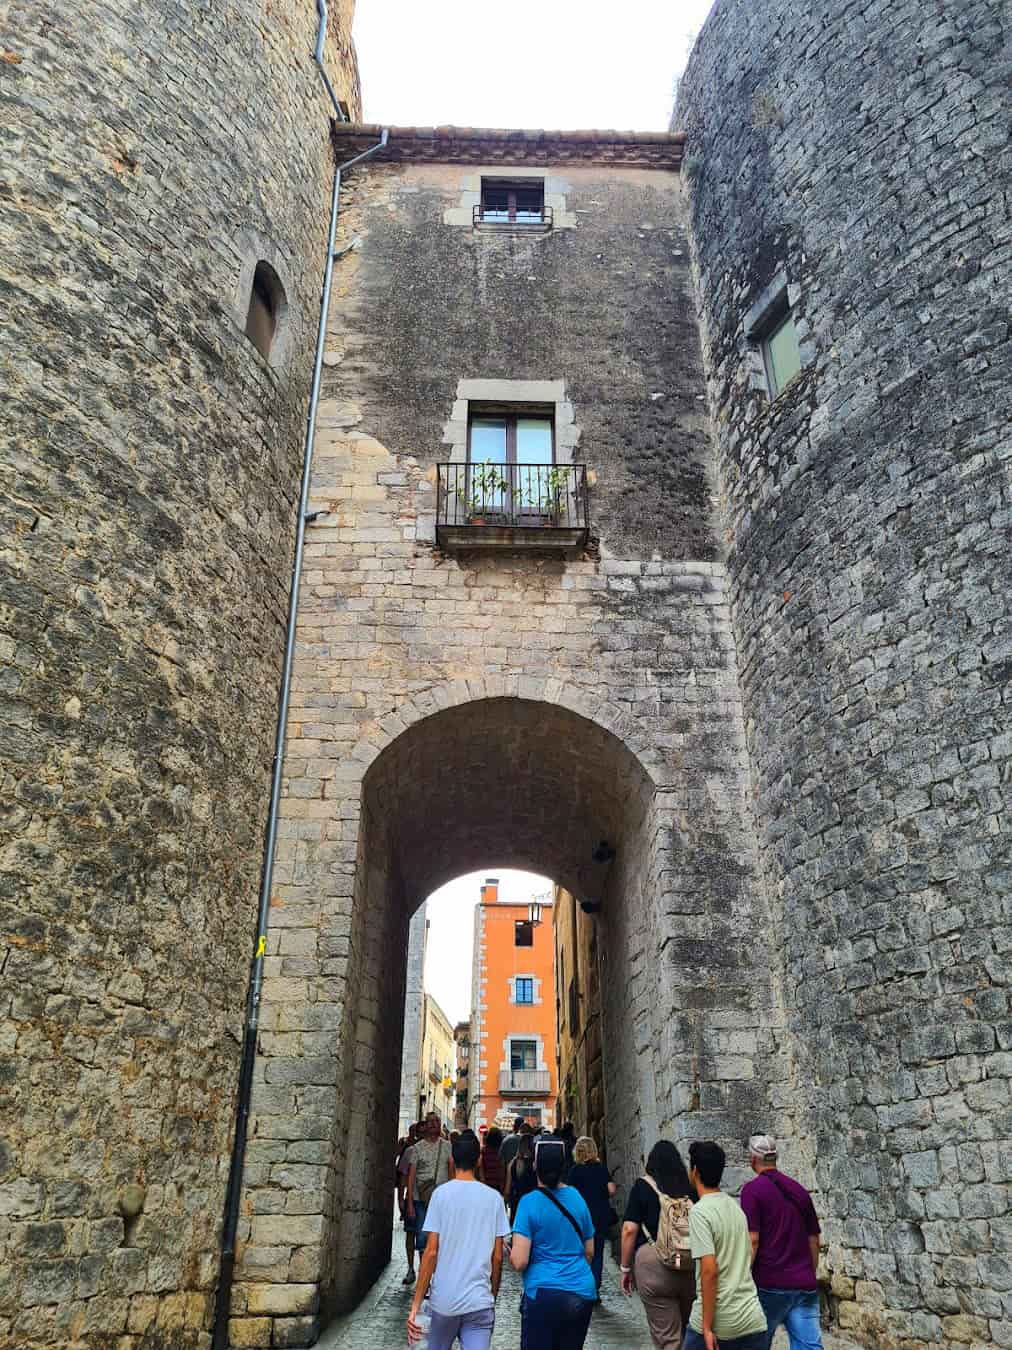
<point>151,156</point>
<point>451,708</point>
<point>860,152</point>
<point>753,712</point>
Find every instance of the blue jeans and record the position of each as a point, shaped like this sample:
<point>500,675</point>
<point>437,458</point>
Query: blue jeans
<point>554,1319</point>
<point>755,1340</point>
<point>416,1225</point>
<point>797,1311</point>
<point>473,1330</point>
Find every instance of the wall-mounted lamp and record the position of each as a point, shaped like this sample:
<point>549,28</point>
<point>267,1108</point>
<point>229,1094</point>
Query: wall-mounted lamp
<point>603,853</point>
<point>534,913</point>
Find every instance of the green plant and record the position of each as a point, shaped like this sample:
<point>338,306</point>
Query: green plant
<point>485,486</point>
<point>557,483</point>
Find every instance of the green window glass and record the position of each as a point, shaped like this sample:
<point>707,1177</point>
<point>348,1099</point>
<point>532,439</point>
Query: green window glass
<point>782,354</point>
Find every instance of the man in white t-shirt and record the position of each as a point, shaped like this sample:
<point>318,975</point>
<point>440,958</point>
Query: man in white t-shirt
<point>466,1223</point>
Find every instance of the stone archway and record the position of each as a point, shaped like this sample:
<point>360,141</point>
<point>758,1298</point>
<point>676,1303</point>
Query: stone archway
<point>498,780</point>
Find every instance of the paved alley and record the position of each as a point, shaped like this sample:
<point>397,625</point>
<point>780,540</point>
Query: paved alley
<point>379,1321</point>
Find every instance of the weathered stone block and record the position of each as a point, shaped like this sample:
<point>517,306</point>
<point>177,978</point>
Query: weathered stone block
<point>284,1299</point>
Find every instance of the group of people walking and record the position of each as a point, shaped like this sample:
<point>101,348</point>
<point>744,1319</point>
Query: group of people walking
<point>713,1273</point>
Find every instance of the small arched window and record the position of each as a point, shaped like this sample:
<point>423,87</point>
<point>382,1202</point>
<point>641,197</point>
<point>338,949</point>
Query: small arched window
<point>266,306</point>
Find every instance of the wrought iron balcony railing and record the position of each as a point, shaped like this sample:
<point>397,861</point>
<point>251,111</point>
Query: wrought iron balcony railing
<point>525,1081</point>
<point>499,218</point>
<point>512,505</point>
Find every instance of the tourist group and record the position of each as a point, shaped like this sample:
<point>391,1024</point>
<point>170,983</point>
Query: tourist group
<point>713,1272</point>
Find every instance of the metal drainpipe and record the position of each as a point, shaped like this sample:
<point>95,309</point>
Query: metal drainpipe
<point>233,1192</point>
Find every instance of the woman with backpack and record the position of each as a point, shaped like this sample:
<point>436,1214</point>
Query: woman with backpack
<point>656,1258</point>
<point>520,1177</point>
<point>553,1245</point>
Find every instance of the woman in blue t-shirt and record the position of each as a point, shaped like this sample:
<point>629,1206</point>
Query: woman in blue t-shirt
<point>553,1245</point>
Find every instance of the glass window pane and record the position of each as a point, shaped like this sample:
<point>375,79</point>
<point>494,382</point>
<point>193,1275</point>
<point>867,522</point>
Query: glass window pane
<point>494,202</point>
<point>488,440</point>
<point>534,448</point>
<point>523,1055</point>
<point>534,440</point>
<point>783,354</point>
<point>530,202</point>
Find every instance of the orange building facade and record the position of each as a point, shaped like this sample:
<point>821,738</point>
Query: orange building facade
<point>512,1057</point>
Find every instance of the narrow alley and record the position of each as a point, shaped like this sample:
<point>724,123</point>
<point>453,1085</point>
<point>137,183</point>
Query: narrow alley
<point>378,1323</point>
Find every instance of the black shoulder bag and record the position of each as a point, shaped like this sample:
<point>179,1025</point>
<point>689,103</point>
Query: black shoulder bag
<point>789,1196</point>
<point>563,1210</point>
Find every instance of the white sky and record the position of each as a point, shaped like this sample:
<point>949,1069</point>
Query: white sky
<point>451,932</point>
<point>559,64</point>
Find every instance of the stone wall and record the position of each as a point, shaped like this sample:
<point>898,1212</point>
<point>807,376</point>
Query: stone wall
<point>150,464</point>
<point>452,713</point>
<point>862,150</point>
<point>581,1067</point>
<point>411,1042</point>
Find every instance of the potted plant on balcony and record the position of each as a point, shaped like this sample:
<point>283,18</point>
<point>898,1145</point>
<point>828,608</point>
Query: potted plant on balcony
<point>485,483</point>
<point>557,485</point>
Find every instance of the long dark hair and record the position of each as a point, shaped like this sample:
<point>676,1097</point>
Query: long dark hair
<point>524,1154</point>
<point>550,1162</point>
<point>667,1169</point>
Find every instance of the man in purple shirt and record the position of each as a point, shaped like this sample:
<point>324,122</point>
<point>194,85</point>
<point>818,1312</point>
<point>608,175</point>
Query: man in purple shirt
<point>785,1247</point>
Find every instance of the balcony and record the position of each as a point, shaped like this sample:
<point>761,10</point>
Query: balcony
<point>533,219</point>
<point>525,1082</point>
<point>512,506</point>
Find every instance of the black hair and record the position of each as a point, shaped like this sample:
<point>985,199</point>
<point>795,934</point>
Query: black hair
<point>550,1162</point>
<point>466,1151</point>
<point>708,1159</point>
<point>525,1148</point>
<point>520,1120</point>
<point>666,1167</point>
<point>493,1138</point>
<point>568,1132</point>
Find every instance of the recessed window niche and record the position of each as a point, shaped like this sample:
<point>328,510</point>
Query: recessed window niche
<point>266,308</point>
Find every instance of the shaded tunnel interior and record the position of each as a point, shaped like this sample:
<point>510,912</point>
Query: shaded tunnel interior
<point>497,782</point>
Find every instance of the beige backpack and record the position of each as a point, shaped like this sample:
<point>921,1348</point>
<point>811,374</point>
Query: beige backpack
<point>672,1241</point>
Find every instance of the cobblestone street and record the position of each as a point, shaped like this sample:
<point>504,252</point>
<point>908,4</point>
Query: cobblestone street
<point>618,1323</point>
<point>379,1320</point>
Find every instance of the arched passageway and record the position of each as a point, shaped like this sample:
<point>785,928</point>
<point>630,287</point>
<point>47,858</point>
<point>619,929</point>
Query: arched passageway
<point>511,782</point>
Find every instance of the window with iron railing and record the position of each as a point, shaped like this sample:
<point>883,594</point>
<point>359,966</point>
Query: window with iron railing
<point>512,204</point>
<point>510,488</point>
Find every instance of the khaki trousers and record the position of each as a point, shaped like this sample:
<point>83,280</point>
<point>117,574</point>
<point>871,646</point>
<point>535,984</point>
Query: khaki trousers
<point>666,1296</point>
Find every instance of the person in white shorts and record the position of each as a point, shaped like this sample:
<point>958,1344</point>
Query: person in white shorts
<point>466,1223</point>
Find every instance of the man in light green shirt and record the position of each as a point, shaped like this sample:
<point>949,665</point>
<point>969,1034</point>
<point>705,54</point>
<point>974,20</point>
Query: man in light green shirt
<point>727,1314</point>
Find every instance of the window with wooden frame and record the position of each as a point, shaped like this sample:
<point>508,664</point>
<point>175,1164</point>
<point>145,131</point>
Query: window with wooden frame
<point>574,1007</point>
<point>512,201</point>
<point>523,989</point>
<point>511,454</point>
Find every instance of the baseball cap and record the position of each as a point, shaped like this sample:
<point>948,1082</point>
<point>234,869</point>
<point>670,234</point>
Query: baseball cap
<point>763,1146</point>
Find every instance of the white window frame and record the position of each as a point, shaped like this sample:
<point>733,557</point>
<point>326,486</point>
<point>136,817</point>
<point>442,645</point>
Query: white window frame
<point>536,983</point>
